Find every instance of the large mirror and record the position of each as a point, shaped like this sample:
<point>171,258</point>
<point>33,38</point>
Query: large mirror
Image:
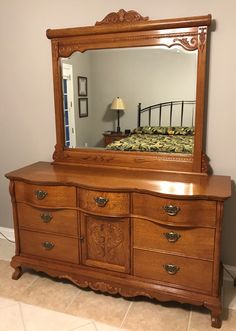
<point>147,76</point>
<point>129,92</point>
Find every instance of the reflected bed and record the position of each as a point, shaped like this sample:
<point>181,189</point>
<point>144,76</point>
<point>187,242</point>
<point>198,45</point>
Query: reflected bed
<point>165,139</point>
<point>157,139</point>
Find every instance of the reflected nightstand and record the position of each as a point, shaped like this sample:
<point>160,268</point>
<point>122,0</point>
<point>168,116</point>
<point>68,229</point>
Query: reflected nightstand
<point>110,137</point>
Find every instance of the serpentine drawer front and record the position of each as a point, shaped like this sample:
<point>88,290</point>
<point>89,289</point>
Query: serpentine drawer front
<point>189,241</point>
<point>43,195</point>
<point>50,220</point>
<point>176,270</point>
<point>121,238</point>
<point>49,246</point>
<point>194,212</point>
<point>104,203</point>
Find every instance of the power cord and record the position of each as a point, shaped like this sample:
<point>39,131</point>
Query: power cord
<point>11,241</point>
<point>229,273</point>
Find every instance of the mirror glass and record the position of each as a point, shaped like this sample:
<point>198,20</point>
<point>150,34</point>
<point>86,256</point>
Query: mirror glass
<point>147,76</point>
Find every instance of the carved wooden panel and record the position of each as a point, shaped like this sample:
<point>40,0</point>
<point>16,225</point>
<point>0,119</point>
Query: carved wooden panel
<point>123,16</point>
<point>105,242</point>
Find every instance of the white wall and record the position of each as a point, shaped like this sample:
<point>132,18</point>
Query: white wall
<point>27,118</point>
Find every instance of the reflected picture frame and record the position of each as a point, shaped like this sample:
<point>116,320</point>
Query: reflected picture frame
<point>83,107</point>
<point>82,86</point>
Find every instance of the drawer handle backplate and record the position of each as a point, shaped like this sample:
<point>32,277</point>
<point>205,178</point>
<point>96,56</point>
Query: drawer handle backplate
<point>40,195</point>
<point>171,210</point>
<point>48,245</point>
<point>172,237</point>
<point>100,201</point>
<point>46,217</point>
<point>171,269</point>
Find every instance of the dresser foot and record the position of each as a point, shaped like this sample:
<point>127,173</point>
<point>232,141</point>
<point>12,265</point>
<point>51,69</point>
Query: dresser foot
<point>216,321</point>
<point>17,273</point>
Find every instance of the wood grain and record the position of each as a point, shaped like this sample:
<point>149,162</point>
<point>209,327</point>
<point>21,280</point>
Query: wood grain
<point>63,221</point>
<point>132,30</point>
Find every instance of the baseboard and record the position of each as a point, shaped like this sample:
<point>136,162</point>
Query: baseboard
<point>231,269</point>
<point>8,233</point>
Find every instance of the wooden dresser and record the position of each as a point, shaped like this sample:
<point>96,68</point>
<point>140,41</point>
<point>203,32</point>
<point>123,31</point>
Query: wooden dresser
<point>120,231</point>
<point>136,223</point>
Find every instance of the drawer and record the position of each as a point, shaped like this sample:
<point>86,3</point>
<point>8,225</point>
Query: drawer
<point>49,246</point>
<point>192,273</point>
<point>104,203</point>
<point>189,212</point>
<point>195,242</point>
<point>43,195</point>
<point>59,221</point>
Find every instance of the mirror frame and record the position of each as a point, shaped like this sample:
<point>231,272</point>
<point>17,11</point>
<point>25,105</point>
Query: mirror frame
<point>130,29</point>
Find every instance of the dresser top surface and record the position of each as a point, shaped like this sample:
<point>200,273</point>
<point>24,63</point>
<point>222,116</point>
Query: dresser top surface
<point>163,183</point>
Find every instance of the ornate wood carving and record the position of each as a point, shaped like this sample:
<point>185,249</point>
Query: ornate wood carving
<point>187,40</point>
<point>189,43</point>
<point>128,290</point>
<point>122,16</point>
<point>103,239</point>
<point>202,38</point>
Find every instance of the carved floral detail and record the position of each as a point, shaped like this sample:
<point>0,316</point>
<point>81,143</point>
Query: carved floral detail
<point>164,39</point>
<point>104,287</point>
<point>97,239</point>
<point>68,50</point>
<point>114,238</point>
<point>189,43</point>
<point>104,238</point>
<point>122,16</point>
<point>202,38</point>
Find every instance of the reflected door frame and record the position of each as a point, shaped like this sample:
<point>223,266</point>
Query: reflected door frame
<point>68,105</point>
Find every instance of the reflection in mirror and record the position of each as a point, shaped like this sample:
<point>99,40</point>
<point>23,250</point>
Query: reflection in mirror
<point>142,77</point>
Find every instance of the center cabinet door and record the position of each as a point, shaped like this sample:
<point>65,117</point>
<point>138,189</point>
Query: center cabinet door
<point>105,242</point>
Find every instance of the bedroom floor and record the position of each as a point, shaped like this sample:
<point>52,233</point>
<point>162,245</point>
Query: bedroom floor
<point>37,302</point>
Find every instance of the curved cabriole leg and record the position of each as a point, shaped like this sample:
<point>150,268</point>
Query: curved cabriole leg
<point>216,321</point>
<point>17,273</point>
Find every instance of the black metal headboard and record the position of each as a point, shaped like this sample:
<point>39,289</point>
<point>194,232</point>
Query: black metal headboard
<point>165,106</point>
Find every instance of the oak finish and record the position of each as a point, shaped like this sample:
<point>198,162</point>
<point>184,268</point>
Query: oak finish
<point>128,244</point>
<point>130,29</point>
<point>134,224</point>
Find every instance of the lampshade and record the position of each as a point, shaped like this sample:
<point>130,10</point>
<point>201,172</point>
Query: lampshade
<point>117,104</point>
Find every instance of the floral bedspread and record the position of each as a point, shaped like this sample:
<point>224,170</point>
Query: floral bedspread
<point>155,143</point>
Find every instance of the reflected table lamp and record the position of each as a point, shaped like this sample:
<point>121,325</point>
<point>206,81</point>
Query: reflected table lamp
<point>117,104</point>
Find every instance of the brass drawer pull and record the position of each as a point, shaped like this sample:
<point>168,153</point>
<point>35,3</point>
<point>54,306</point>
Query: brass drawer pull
<point>171,268</point>
<point>40,195</point>
<point>172,237</point>
<point>46,217</point>
<point>48,245</point>
<point>100,201</point>
<point>171,210</point>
